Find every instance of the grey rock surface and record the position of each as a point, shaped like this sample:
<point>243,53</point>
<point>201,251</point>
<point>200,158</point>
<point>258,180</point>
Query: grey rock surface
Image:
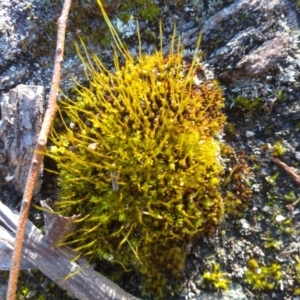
<point>253,48</point>
<point>235,293</point>
<point>241,41</point>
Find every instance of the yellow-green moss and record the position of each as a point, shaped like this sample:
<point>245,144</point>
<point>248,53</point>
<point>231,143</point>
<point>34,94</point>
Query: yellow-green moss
<point>297,276</point>
<point>138,159</point>
<point>278,149</point>
<point>217,278</point>
<point>263,277</point>
<point>248,105</point>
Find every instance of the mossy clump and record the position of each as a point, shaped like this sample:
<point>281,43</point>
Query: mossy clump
<point>146,9</point>
<point>217,278</point>
<point>139,161</point>
<point>246,104</point>
<point>263,278</point>
<point>297,276</point>
<point>278,149</point>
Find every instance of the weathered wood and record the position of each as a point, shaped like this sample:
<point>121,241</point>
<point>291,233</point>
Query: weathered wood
<point>78,278</point>
<point>6,251</point>
<point>56,226</point>
<point>21,116</point>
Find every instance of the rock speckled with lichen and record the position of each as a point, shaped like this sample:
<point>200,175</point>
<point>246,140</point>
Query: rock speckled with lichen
<point>253,48</point>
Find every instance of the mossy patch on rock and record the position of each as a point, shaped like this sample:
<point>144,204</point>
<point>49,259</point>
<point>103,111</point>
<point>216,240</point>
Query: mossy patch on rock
<point>139,160</point>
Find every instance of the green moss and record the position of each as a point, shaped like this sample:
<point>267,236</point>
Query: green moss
<point>217,278</point>
<point>263,277</point>
<point>230,130</point>
<point>145,9</point>
<point>253,264</point>
<point>297,276</point>
<point>280,95</point>
<point>139,162</point>
<point>272,179</point>
<point>150,12</point>
<point>246,104</point>
<point>125,17</point>
<point>145,175</point>
<point>278,149</point>
<point>290,197</point>
<point>272,243</point>
<point>22,292</point>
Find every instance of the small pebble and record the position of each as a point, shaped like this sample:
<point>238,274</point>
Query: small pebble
<point>279,218</point>
<point>249,134</point>
<point>244,223</point>
<point>93,146</point>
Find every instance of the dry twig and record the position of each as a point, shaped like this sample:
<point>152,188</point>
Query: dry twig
<point>39,150</point>
<point>288,169</point>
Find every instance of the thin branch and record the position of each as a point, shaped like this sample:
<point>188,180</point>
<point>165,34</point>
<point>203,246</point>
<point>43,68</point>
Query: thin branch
<point>39,150</point>
<point>288,169</point>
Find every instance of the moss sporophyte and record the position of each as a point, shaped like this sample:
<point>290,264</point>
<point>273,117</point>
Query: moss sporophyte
<point>138,160</point>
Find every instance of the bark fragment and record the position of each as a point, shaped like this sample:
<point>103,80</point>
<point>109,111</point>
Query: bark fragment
<point>21,116</point>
